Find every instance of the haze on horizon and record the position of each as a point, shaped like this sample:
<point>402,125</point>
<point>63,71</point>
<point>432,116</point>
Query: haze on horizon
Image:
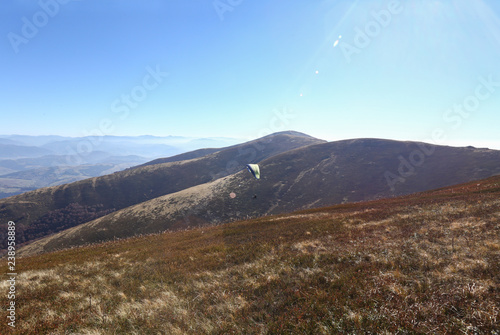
<point>423,70</point>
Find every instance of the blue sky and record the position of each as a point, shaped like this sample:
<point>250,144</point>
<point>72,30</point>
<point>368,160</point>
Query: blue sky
<point>408,70</point>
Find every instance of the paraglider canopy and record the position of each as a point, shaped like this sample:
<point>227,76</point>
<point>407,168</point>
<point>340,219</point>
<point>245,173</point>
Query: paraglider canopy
<point>254,169</point>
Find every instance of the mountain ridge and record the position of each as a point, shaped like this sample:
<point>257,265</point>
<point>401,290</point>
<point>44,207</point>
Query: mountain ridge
<point>135,185</point>
<point>23,152</point>
<point>306,177</point>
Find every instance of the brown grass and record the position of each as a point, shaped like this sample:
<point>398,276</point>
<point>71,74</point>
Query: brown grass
<point>423,264</point>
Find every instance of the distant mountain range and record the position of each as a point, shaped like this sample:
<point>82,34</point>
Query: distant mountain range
<point>31,162</point>
<point>211,187</point>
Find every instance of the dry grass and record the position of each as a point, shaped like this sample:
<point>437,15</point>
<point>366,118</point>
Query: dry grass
<point>424,264</point>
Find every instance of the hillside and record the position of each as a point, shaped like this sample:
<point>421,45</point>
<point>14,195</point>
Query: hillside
<point>28,180</point>
<point>308,177</point>
<point>181,157</point>
<point>26,161</point>
<point>418,264</point>
<point>19,151</point>
<point>36,212</point>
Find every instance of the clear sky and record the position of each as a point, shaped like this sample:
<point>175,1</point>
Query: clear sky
<point>426,70</point>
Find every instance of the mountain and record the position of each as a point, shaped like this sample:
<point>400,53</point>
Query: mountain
<point>28,180</point>
<point>181,157</point>
<point>9,141</point>
<point>38,213</point>
<point>124,147</point>
<point>26,174</point>
<point>417,264</point>
<point>146,146</point>
<point>294,135</point>
<point>28,140</point>
<point>301,178</point>
<point>20,153</point>
<point>23,164</point>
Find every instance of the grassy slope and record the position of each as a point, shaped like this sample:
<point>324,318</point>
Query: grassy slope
<point>181,157</point>
<point>313,176</point>
<point>29,180</point>
<point>126,188</point>
<point>425,263</point>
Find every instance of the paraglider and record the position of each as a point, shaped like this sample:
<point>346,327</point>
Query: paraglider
<point>254,170</point>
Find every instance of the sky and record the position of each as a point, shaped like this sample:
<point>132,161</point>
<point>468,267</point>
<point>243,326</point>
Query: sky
<point>420,70</point>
